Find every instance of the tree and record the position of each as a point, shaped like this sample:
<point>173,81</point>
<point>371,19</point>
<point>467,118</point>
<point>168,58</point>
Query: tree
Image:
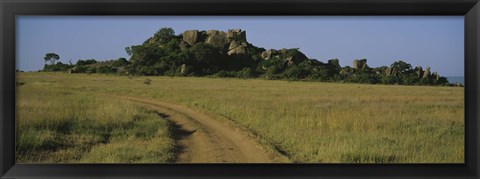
<point>401,66</point>
<point>52,57</point>
<point>129,51</point>
<point>295,73</point>
<point>207,59</point>
<point>120,62</point>
<point>85,62</point>
<point>245,73</point>
<point>164,35</point>
<point>442,80</point>
<point>334,67</point>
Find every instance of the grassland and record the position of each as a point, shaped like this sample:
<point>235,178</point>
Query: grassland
<point>55,125</point>
<point>307,121</point>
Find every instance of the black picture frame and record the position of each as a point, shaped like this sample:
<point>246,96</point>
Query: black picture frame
<point>11,8</point>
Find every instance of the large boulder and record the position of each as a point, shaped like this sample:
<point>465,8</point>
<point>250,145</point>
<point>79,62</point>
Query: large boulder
<point>183,69</point>
<point>217,38</point>
<point>191,36</point>
<point>237,34</point>
<point>291,56</point>
<point>267,54</point>
<point>335,63</point>
<point>391,71</point>
<point>360,64</point>
<point>345,71</point>
<point>183,45</point>
<point>427,74</point>
<point>419,71</point>
<point>435,76</point>
<point>290,61</point>
<point>237,48</point>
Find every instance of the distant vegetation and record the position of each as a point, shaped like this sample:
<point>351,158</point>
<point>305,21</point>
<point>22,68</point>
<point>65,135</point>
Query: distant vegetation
<point>228,54</point>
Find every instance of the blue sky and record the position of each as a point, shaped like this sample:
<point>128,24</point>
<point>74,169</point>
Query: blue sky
<point>435,41</point>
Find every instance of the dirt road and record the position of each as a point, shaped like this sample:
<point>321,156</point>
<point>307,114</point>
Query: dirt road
<point>203,139</point>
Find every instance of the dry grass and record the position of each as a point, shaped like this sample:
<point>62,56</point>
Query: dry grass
<point>63,126</point>
<point>309,121</point>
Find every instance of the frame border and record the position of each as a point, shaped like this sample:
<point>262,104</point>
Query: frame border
<point>10,9</point>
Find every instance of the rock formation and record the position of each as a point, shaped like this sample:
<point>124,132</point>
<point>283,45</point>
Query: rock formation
<point>237,34</point>
<point>191,36</point>
<point>291,56</point>
<point>217,38</point>
<point>335,63</point>
<point>267,54</point>
<point>183,45</point>
<point>435,76</point>
<point>419,71</point>
<point>360,64</point>
<point>391,71</point>
<point>183,69</point>
<point>237,48</point>
<point>234,41</point>
<point>427,74</point>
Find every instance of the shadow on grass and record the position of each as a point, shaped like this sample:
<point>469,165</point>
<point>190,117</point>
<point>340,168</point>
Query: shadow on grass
<point>178,133</point>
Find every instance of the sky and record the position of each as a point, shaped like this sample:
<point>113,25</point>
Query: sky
<point>434,41</point>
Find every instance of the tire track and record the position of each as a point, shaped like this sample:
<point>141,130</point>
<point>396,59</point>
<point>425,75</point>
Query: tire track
<point>202,139</point>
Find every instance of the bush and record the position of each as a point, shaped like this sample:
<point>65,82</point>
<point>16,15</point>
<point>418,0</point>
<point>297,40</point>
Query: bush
<point>106,69</point>
<point>425,81</point>
<point>91,69</point>
<point>120,62</point>
<point>389,79</point>
<point>441,81</point>
<point>365,76</point>
<point>295,73</point>
<point>80,69</point>
<point>409,79</point>
<point>224,73</point>
<point>56,67</point>
<point>85,62</point>
<point>245,73</point>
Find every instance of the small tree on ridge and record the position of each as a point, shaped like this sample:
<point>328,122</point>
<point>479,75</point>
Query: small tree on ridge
<point>52,57</point>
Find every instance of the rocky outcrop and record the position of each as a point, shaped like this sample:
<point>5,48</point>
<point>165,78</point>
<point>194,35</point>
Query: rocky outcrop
<point>391,71</point>
<point>183,69</point>
<point>344,72</point>
<point>217,38</point>
<point>237,48</point>
<point>419,71</point>
<point>183,45</point>
<point>427,74</point>
<point>360,64</point>
<point>234,41</point>
<point>291,56</point>
<point>267,54</point>
<point>191,36</point>
<point>237,35</point>
<point>435,76</point>
<point>335,63</point>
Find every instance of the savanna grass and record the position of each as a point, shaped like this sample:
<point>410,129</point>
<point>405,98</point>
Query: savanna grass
<point>59,126</point>
<point>309,121</point>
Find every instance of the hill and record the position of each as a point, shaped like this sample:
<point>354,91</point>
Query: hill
<point>228,54</point>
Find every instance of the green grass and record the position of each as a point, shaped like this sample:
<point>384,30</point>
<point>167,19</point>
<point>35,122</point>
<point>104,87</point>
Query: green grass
<point>308,121</point>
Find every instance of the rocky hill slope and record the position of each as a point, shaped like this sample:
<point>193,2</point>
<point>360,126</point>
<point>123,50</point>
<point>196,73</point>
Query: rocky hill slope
<point>228,54</point>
